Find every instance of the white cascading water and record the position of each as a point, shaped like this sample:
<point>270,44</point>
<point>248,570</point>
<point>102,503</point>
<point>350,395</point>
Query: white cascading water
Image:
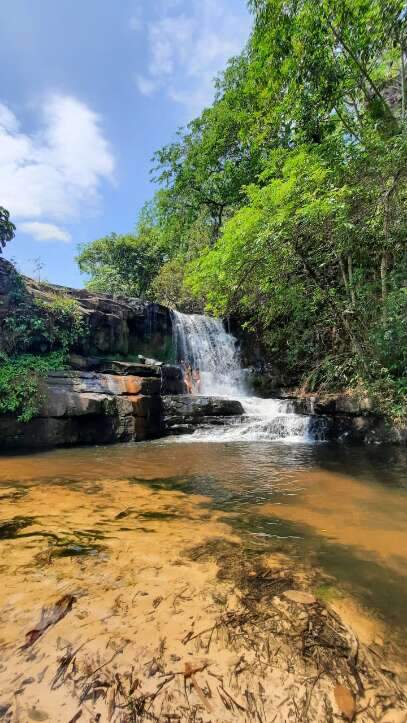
<point>204,342</point>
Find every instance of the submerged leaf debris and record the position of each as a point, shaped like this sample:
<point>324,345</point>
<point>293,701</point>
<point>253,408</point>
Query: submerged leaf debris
<point>186,624</point>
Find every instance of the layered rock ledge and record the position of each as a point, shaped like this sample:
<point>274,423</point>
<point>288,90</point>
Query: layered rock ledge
<point>124,403</point>
<point>118,326</point>
<point>83,407</point>
<point>182,414</point>
<point>349,418</point>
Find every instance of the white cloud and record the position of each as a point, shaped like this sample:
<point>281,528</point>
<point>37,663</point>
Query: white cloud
<point>8,121</point>
<point>146,86</point>
<point>189,43</point>
<point>45,231</point>
<point>54,174</point>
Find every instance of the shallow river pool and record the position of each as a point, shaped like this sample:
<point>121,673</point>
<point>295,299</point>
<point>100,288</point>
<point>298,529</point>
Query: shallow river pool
<point>114,526</point>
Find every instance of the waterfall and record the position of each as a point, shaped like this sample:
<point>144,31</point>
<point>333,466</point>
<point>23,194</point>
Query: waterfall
<point>203,342</point>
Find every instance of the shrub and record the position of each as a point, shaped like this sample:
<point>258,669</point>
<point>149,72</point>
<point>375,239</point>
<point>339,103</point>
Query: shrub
<point>20,382</point>
<point>39,326</point>
<point>36,339</point>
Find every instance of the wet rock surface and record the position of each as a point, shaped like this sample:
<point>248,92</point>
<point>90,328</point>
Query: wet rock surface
<point>348,418</point>
<point>172,379</point>
<point>182,414</point>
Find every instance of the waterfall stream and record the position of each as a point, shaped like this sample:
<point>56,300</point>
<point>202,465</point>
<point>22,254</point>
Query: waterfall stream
<point>203,342</point>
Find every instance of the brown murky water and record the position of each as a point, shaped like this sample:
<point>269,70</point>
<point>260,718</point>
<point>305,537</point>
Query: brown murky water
<point>112,526</point>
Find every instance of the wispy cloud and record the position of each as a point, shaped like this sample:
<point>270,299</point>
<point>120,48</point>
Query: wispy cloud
<point>45,231</point>
<point>189,43</point>
<point>146,86</point>
<point>55,173</point>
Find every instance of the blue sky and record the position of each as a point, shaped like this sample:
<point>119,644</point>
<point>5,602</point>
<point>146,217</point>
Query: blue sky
<point>88,92</point>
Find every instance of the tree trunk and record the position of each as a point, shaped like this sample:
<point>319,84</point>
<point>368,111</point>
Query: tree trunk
<point>383,276</point>
<point>339,313</point>
<point>350,274</point>
<point>403,82</point>
<point>363,69</point>
<point>343,272</point>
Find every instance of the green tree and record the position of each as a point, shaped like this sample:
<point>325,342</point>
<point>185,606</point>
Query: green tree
<point>122,264</point>
<point>7,228</point>
<point>206,169</point>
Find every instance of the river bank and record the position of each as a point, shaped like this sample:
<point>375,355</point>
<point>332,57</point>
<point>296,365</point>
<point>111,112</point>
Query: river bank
<point>138,587</point>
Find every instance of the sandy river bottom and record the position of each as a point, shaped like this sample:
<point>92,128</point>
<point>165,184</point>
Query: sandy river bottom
<point>181,582</point>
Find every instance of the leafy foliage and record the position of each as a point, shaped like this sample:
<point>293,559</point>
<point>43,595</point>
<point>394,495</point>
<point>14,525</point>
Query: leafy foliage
<point>20,382</point>
<point>7,228</point>
<point>43,326</point>
<point>36,337</point>
<point>123,265</point>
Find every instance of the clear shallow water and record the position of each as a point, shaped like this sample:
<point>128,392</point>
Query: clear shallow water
<point>342,510</point>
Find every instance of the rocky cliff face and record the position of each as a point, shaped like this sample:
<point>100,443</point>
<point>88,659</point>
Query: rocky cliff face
<point>114,326</point>
<point>119,405</point>
<point>350,418</point>
<point>100,400</point>
<point>83,407</point>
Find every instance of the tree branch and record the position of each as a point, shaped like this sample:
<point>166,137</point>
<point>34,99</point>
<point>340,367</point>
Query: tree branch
<point>366,75</point>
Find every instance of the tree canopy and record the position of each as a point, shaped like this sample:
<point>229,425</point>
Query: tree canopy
<point>284,203</point>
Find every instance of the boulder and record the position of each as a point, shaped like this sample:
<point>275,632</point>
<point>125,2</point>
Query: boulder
<point>38,433</point>
<point>172,379</point>
<point>183,413</point>
<point>144,406</point>
<point>107,366</point>
<point>332,404</point>
<point>187,405</point>
<point>347,418</point>
<point>60,402</point>
<point>129,369</point>
<point>147,413</point>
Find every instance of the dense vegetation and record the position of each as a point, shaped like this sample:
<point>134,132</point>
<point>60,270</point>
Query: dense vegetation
<point>7,228</point>
<point>36,338</point>
<point>284,204</point>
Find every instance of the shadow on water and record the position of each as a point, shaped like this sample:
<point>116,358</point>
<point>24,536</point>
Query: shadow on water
<point>376,587</point>
<point>356,571</point>
<point>377,463</point>
<point>12,528</point>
